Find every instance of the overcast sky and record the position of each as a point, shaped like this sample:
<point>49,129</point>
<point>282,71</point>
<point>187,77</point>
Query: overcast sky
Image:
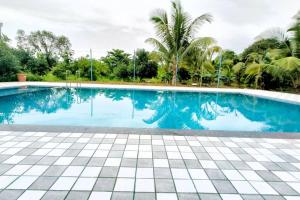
<point>106,24</point>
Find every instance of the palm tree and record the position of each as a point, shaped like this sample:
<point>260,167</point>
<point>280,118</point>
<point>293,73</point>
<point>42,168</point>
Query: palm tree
<point>176,35</point>
<point>290,37</point>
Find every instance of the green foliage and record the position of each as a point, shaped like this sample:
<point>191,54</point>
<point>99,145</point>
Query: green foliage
<point>33,77</point>
<point>48,48</point>
<point>145,68</point>
<point>8,63</point>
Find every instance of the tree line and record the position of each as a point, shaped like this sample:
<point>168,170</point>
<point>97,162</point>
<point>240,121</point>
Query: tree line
<point>181,56</point>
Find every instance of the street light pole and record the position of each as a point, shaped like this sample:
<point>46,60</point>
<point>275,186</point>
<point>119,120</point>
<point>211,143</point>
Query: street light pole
<point>220,66</point>
<point>1,24</point>
<point>91,59</point>
<point>134,65</point>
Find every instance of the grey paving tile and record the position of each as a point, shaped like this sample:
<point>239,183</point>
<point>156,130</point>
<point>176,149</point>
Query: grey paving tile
<point>224,187</point>
<point>144,196</point>
<point>287,166</point>
<point>4,168</point>
<point>192,164</point>
<point>132,141</point>
<point>176,163</point>
<point>10,194</point>
<point>31,160</point>
<point>158,148</point>
<point>115,154</point>
<point>159,154</point>
<point>222,164</point>
<point>203,156</point>
<point>145,162</point>
<point>197,149</point>
<point>118,147</point>
<point>47,160</point>
<point>77,146</point>
<point>246,157</point>
<point>43,183</point>
<point>26,152</point>
<point>145,141</point>
<point>182,142</point>
<point>164,185</point>
<point>71,152</point>
<point>252,197</point>
<point>210,197</point>
<point>268,176</point>
<point>109,172</point>
<point>273,197</point>
<point>122,196</point>
<point>55,195</point>
<point>96,162</point>
<point>78,195</point>
<point>4,157</point>
<point>105,184</point>
<point>55,171</point>
<point>240,165</point>
<point>129,162</point>
<point>187,196</point>
<point>80,161</point>
<point>162,173</point>
<point>215,174</point>
<point>283,188</point>
<point>271,166</point>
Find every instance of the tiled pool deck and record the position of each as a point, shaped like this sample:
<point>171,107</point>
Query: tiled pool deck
<point>98,166</point>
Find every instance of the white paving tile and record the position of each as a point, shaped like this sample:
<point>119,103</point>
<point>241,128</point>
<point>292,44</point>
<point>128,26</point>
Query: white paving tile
<point>204,186</point>
<point>84,184</point>
<point>63,183</point>
<point>184,186</point>
<point>263,188</point>
<point>124,184</point>
<point>23,182</point>
<point>144,185</point>
<point>32,195</point>
<point>100,195</point>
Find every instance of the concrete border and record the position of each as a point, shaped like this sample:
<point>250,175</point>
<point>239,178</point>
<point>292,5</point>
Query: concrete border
<point>277,96</point>
<point>148,131</point>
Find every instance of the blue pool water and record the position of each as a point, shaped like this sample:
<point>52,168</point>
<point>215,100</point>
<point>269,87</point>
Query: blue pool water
<point>146,109</point>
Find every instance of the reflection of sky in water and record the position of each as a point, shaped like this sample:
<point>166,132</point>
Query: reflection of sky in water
<point>148,109</point>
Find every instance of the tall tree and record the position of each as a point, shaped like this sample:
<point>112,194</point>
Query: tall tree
<point>45,45</point>
<point>176,34</point>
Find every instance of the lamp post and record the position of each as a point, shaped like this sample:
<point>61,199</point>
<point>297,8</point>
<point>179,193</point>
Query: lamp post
<point>220,66</point>
<point>91,59</point>
<point>134,65</point>
<point>1,24</point>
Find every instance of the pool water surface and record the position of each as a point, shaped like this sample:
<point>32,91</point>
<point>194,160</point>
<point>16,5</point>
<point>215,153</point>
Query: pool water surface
<point>146,109</point>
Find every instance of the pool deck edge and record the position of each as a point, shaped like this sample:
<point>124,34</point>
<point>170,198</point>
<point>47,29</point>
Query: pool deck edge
<point>147,131</point>
<point>278,96</point>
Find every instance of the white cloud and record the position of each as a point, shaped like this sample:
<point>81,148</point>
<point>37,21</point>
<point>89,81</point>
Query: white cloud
<point>106,24</point>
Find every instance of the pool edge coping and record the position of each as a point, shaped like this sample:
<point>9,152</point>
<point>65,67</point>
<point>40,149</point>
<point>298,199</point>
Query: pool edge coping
<point>272,95</point>
<point>147,131</point>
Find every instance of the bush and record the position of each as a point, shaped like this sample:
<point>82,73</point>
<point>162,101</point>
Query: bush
<point>121,72</point>
<point>50,77</point>
<point>183,74</point>
<point>33,77</point>
<point>8,63</point>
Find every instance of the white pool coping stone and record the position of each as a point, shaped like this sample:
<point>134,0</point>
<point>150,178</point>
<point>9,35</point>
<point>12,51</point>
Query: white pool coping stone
<point>278,96</point>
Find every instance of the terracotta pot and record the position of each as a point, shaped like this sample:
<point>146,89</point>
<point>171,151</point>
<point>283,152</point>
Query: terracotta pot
<point>21,77</point>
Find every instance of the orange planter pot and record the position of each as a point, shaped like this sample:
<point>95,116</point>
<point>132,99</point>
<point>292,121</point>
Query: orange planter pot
<point>21,77</point>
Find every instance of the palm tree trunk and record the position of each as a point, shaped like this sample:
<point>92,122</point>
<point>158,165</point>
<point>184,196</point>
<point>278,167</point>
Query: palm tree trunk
<point>175,70</point>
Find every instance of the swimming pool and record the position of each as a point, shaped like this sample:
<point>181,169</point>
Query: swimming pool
<point>146,109</point>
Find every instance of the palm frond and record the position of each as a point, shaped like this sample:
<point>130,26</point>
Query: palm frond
<point>274,33</point>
